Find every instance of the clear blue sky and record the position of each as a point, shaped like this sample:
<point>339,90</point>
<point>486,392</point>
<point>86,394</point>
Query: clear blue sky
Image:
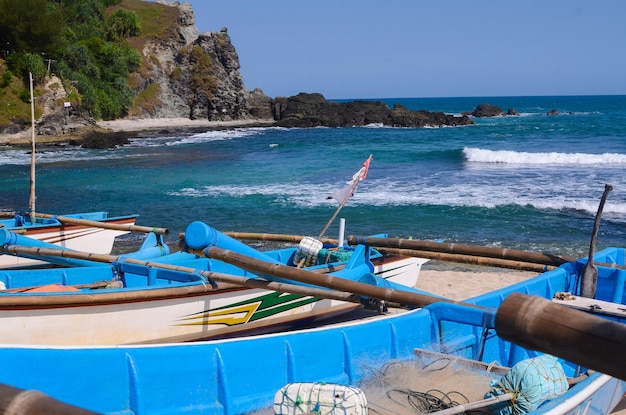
<point>435,48</point>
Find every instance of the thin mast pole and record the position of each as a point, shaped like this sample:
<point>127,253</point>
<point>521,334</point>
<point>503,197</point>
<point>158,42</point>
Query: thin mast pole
<point>360,173</point>
<point>341,205</point>
<point>32,153</point>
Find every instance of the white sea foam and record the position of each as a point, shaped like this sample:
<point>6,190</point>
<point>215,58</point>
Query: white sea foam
<point>217,135</point>
<point>387,192</point>
<point>21,157</point>
<point>478,155</point>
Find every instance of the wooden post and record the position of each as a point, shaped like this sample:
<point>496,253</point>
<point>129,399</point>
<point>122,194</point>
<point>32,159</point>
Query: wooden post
<point>539,324</point>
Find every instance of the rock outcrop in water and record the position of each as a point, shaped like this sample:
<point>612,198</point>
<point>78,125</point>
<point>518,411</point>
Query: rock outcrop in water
<point>313,110</point>
<point>488,110</point>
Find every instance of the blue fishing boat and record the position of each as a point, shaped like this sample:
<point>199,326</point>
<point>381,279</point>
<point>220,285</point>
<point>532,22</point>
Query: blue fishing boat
<point>154,296</point>
<point>89,231</point>
<point>304,371</point>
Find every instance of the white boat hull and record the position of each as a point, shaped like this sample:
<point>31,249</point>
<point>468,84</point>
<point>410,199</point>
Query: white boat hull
<point>77,237</point>
<point>171,314</point>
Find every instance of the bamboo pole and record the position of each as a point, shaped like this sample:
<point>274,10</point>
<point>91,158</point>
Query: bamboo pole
<point>7,214</point>
<point>539,324</point>
<point>15,401</point>
<point>324,280</point>
<point>428,254</point>
<point>104,225</point>
<point>33,159</point>
<point>452,248</point>
<point>469,259</point>
<point>245,282</point>
<point>270,237</point>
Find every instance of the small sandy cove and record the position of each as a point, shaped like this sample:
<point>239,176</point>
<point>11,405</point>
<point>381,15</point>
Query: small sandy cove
<point>146,124</point>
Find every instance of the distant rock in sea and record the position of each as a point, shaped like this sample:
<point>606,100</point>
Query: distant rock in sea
<point>487,110</point>
<point>313,110</point>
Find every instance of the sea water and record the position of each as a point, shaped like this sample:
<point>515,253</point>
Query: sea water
<point>531,182</point>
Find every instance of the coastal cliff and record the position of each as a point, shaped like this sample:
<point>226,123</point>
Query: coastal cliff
<point>189,85</point>
<point>195,76</point>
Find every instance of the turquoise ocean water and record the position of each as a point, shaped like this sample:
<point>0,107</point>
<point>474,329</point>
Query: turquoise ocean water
<point>529,182</point>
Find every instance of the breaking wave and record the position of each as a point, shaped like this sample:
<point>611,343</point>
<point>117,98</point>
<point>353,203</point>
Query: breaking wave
<point>478,155</point>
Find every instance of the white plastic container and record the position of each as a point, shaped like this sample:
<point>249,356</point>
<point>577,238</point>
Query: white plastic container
<point>307,250</point>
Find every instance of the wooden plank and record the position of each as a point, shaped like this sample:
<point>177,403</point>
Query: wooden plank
<point>590,305</point>
<point>475,405</point>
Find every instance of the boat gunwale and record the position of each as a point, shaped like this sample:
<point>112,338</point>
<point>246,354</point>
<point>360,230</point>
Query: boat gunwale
<point>26,301</point>
<point>40,228</point>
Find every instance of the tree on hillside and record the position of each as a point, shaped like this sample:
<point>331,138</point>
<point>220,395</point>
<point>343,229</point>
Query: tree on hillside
<point>87,41</point>
<point>30,26</point>
<point>123,24</point>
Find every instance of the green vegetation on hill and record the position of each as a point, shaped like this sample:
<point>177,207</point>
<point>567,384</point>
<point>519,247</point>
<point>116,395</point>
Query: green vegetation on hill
<point>92,45</point>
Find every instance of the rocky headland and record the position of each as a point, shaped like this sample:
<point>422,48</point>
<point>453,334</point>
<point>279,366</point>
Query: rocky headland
<point>167,90</point>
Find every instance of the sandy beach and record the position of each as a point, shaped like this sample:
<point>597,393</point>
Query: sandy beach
<point>461,285</point>
<point>148,124</point>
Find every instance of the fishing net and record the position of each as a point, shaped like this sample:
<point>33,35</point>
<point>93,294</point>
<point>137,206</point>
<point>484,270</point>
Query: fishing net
<point>425,386</point>
<point>532,381</point>
<point>325,255</point>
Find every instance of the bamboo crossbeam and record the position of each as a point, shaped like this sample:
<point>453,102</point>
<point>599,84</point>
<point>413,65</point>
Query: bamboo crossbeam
<point>235,280</point>
<point>324,280</point>
<point>271,237</point>
<point>452,248</point>
<point>469,259</point>
<point>104,225</point>
<point>428,254</point>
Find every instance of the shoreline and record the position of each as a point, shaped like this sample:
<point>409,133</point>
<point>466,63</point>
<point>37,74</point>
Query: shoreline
<point>137,125</point>
<point>151,124</point>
